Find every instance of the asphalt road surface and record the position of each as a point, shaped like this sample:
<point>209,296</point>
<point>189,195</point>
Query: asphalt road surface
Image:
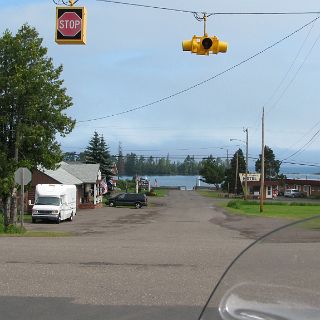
<point>159,262</point>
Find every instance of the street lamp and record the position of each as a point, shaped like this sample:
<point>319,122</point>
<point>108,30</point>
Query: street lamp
<point>246,173</point>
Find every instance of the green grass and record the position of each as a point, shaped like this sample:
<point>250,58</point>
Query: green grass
<point>285,210</point>
<point>211,193</point>
<point>160,192</point>
<point>16,231</point>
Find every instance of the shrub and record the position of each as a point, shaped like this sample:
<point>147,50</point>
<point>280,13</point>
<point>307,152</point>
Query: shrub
<point>151,193</point>
<point>122,184</point>
<point>304,204</point>
<point>12,229</point>
<point>235,204</point>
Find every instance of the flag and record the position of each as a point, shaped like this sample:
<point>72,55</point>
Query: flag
<point>104,187</point>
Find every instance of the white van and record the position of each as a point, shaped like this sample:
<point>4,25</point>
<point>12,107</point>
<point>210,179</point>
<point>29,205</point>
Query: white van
<point>55,202</point>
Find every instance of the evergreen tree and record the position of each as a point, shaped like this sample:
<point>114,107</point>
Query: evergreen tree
<point>70,156</point>
<point>93,149</point>
<point>131,164</point>
<point>98,152</point>
<point>230,182</point>
<point>120,161</point>
<point>271,165</point>
<point>105,159</point>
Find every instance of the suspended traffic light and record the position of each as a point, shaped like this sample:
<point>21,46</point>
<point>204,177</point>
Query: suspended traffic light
<point>204,45</point>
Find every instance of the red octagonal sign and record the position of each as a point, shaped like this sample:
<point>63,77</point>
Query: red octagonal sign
<point>69,24</point>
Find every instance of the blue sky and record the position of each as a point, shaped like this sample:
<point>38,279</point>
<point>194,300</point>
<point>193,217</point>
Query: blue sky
<point>133,57</point>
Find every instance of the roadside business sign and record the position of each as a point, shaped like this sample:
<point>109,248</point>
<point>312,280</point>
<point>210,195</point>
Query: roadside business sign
<point>71,25</point>
<point>250,176</point>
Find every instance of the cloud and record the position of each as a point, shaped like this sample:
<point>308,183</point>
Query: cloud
<point>133,57</point>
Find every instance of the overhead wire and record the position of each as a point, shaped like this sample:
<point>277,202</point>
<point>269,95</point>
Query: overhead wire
<point>304,146</point>
<point>204,81</point>
<point>282,81</point>
<point>295,75</point>
<point>287,73</point>
<point>310,130</point>
<point>209,13</point>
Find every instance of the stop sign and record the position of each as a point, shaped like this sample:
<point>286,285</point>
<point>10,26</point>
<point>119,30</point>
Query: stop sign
<point>69,24</point>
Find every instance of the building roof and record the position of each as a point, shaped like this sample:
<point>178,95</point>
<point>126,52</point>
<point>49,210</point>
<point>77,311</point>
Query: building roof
<point>74,173</point>
<point>61,176</point>
<point>302,182</point>
<point>86,172</point>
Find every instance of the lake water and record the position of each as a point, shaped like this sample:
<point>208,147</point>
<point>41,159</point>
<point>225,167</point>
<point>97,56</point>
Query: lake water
<point>189,182</point>
<point>174,181</point>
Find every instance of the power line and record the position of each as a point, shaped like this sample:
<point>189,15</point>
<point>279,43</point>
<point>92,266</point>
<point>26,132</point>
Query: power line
<point>210,13</point>
<point>304,146</point>
<point>298,141</point>
<point>295,75</point>
<point>204,81</point>
<point>283,80</point>
<point>288,71</point>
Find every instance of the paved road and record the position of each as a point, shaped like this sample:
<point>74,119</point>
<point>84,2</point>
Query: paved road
<point>159,262</point>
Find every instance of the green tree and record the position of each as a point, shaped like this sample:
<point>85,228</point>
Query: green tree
<point>70,156</point>
<point>32,105</point>
<point>231,184</point>
<point>212,170</point>
<point>271,165</point>
<point>98,152</point>
<point>120,161</point>
<point>188,167</point>
<point>131,164</point>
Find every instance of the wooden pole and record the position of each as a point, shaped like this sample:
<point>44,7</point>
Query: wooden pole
<point>262,164</point>
<point>246,175</point>
<point>237,169</point>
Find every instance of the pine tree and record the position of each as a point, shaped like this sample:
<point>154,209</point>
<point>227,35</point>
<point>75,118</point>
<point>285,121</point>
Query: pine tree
<point>120,161</point>
<point>230,182</point>
<point>98,152</point>
<point>271,165</point>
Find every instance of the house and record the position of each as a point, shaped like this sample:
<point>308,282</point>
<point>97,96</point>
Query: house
<point>86,177</point>
<point>274,187</point>
<point>309,187</point>
<point>270,187</point>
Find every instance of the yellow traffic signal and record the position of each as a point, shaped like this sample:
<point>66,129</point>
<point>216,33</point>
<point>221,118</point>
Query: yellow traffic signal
<point>204,45</point>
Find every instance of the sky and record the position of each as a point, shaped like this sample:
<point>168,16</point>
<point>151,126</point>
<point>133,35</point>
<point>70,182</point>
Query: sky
<point>133,57</point>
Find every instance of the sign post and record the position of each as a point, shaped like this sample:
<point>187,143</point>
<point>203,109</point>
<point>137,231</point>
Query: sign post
<point>22,176</point>
<point>71,25</point>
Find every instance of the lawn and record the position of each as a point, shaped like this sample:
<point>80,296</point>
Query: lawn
<point>286,210</point>
<point>294,210</point>
<point>18,232</point>
<point>210,193</point>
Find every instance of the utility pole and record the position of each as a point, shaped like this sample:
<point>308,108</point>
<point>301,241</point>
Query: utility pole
<point>262,164</point>
<point>237,169</point>
<point>246,174</point>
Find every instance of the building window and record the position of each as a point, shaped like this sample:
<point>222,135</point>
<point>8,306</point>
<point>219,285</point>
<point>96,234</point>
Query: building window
<point>269,190</point>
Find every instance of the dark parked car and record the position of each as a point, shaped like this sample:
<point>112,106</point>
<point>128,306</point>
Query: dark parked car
<point>129,199</point>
